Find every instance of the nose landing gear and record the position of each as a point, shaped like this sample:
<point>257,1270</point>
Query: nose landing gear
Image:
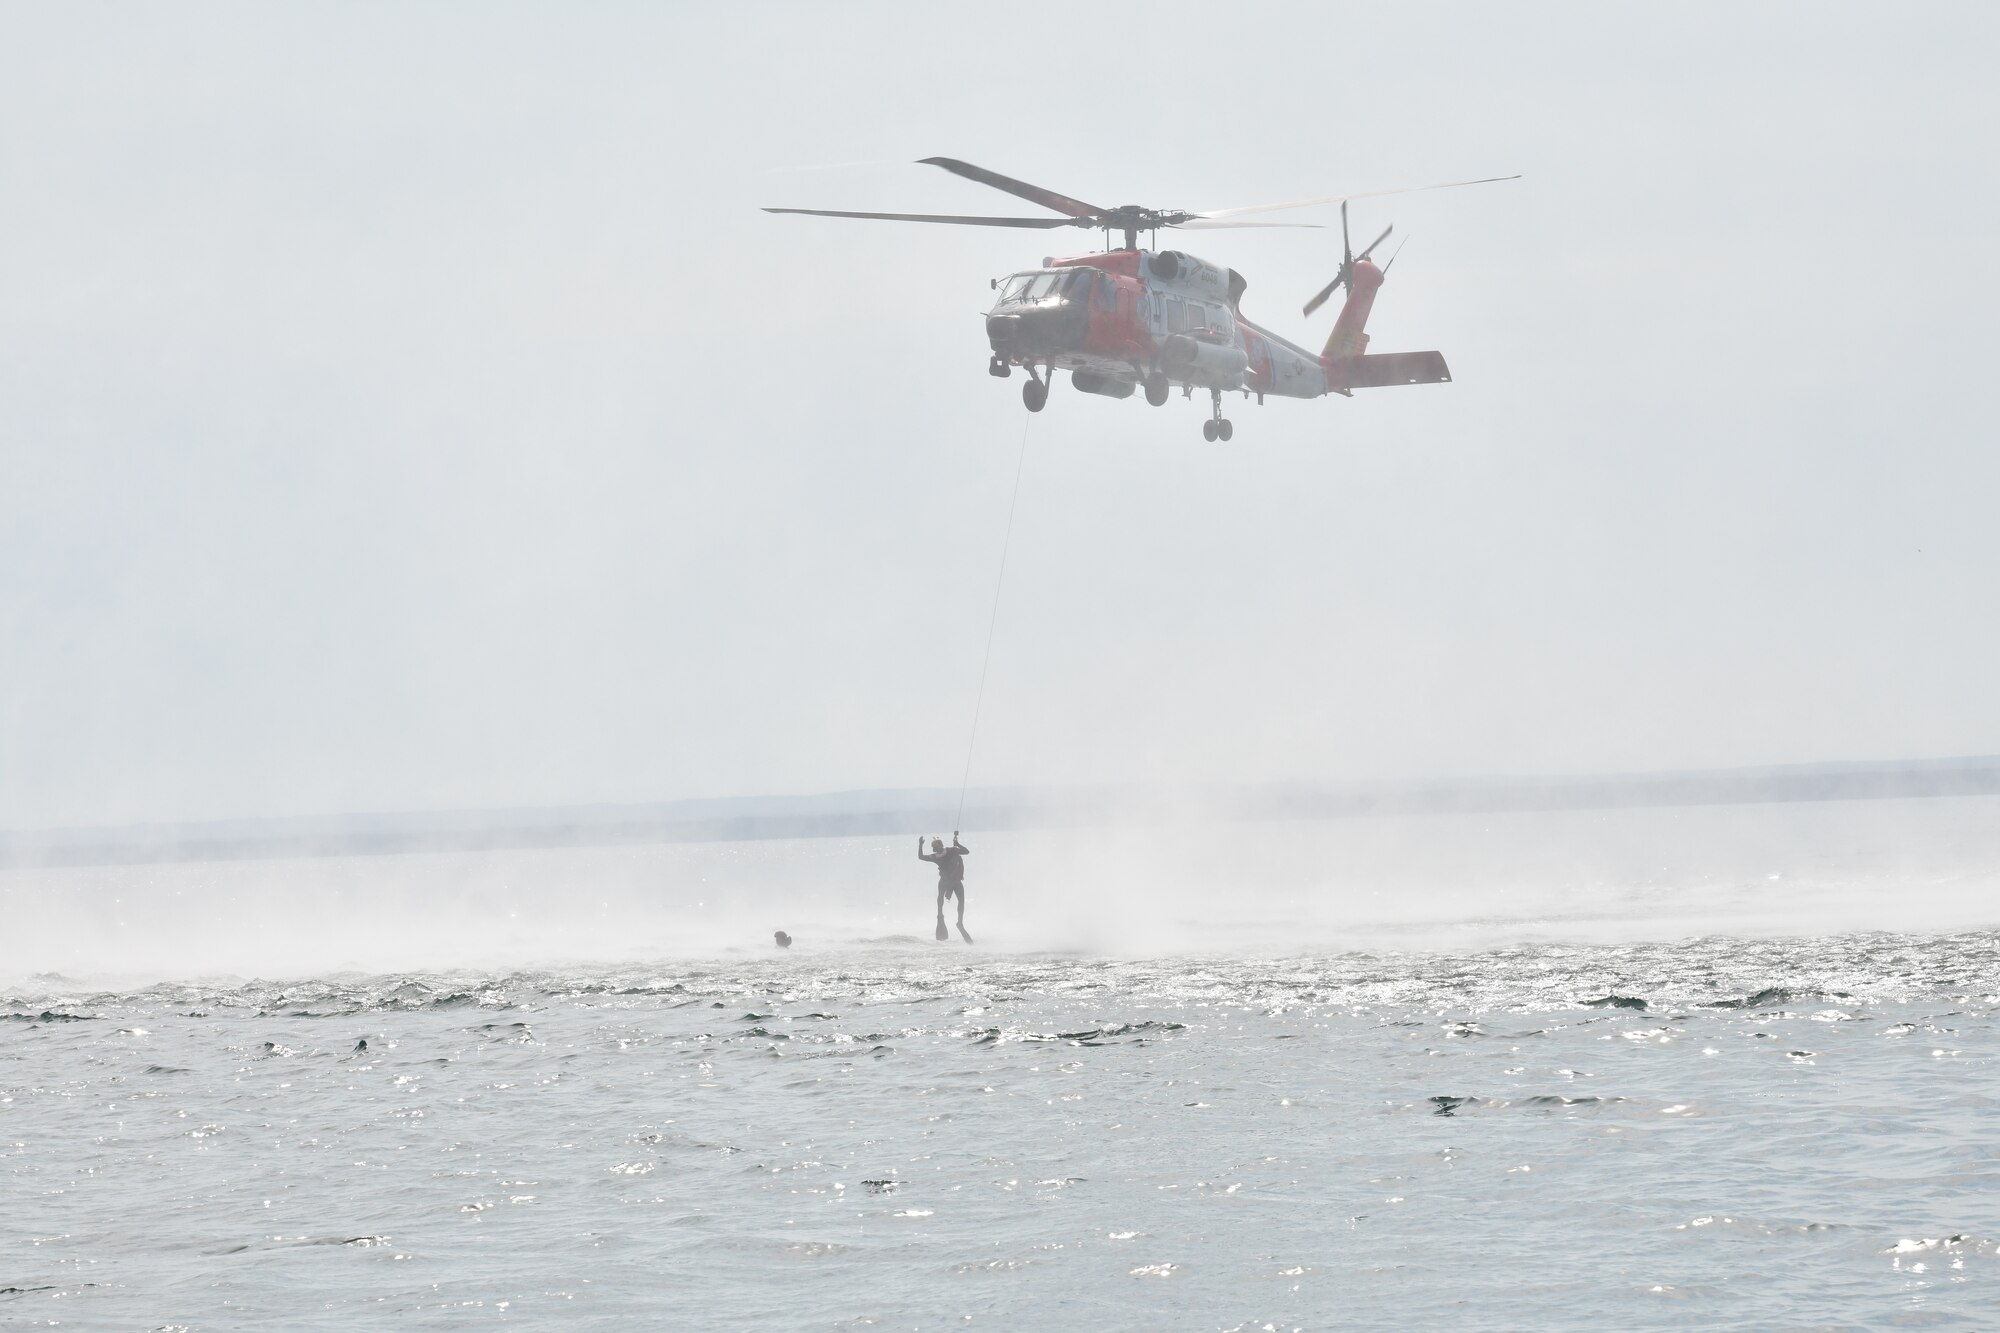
<point>1216,427</point>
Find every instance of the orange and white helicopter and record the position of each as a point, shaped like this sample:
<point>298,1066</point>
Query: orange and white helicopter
<point>1130,319</point>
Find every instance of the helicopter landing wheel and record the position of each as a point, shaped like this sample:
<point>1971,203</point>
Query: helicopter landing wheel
<point>1035,393</point>
<point>1215,427</point>
<point>1157,388</point>
<point>998,369</point>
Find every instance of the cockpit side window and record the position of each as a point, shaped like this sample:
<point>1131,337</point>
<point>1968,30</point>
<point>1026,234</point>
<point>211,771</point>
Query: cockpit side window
<point>1042,285</point>
<point>1011,289</point>
<point>1104,292</point>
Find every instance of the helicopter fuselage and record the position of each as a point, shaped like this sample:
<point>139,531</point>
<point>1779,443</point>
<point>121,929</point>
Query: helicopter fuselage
<point>1115,319</point>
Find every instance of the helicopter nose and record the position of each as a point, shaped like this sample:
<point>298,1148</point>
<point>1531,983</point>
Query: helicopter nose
<point>1007,333</point>
<point>1037,332</point>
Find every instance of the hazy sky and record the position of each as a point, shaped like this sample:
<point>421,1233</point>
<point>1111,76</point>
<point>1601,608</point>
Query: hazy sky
<point>406,406</point>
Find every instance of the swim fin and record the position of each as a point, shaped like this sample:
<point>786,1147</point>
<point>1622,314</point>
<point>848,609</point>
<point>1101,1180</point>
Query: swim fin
<point>966,933</point>
<point>942,933</point>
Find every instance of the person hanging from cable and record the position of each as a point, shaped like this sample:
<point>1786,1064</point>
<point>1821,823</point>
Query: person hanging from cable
<point>950,862</point>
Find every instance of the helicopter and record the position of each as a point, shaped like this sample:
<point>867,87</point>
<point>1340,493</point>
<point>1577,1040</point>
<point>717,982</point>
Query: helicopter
<point>1130,319</point>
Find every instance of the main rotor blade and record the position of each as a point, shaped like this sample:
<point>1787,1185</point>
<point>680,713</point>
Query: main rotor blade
<point>1342,198</point>
<point>1377,241</point>
<point>1034,194</point>
<point>1203,224</point>
<point>1325,292</point>
<point>1038,223</point>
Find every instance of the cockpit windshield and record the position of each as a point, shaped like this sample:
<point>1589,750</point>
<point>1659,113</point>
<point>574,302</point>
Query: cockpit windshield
<point>1066,284</point>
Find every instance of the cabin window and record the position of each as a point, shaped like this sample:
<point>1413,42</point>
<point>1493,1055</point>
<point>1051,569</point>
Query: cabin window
<point>1105,291</point>
<point>1184,317</point>
<point>1043,284</point>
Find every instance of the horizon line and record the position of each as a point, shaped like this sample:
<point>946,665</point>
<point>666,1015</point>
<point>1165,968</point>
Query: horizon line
<point>902,810</point>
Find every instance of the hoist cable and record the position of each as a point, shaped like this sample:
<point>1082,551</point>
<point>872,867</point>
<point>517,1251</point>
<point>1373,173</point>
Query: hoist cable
<point>992,620</point>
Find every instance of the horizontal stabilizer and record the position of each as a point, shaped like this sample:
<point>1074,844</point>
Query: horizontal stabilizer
<point>1385,368</point>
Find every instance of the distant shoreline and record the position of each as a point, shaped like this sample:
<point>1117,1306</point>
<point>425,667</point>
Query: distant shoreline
<point>929,810</point>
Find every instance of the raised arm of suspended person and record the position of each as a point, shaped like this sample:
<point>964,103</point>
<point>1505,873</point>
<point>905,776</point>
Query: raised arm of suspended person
<point>923,855</point>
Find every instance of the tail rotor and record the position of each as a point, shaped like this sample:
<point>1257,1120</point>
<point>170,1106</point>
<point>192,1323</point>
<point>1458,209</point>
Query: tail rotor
<point>1348,259</point>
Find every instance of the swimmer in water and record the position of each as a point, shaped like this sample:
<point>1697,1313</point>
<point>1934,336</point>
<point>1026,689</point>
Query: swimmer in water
<point>950,862</point>
<point>783,940</point>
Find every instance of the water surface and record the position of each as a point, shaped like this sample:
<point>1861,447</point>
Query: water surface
<point>1635,1070</point>
<point>1781,1132</point>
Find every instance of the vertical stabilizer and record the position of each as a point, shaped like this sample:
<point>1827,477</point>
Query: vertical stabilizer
<point>1349,337</point>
